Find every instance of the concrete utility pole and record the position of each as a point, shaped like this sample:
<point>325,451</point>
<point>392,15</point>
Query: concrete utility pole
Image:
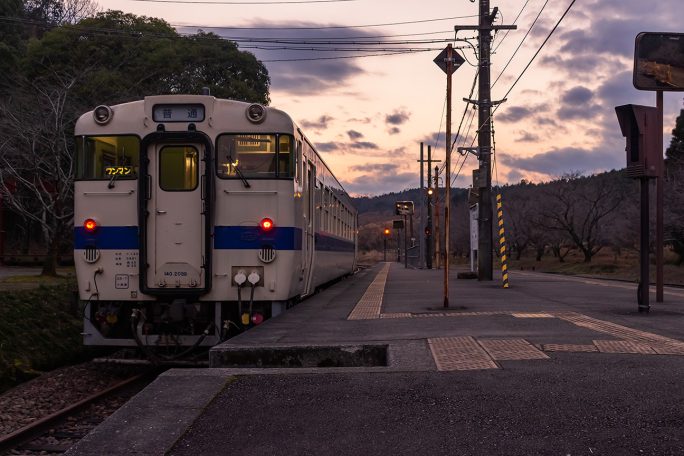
<point>447,176</point>
<point>485,242</point>
<point>421,198</point>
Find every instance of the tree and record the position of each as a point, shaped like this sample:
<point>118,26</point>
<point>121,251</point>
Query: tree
<point>675,152</point>
<point>36,162</point>
<point>579,206</point>
<point>107,59</point>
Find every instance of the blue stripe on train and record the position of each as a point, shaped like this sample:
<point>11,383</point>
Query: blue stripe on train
<point>251,237</point>
<point>107,238</point>
<point>327,243</point>
<point>225,237</point>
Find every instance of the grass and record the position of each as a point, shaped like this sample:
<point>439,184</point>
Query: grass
<point>39,329</point>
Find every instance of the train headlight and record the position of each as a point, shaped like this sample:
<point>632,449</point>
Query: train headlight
<point>256,113</point>
<point>103,114</point>
<point>266,224</point>
<point>90,226</point>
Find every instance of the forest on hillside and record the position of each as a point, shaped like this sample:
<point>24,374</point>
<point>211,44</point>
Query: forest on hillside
<point>572,213</point>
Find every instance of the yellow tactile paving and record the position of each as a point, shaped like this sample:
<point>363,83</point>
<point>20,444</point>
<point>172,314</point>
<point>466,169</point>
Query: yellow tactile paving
<point>531,315</point>
<point>370,304</point>
<point>511,349</point>
<point>623,346</point>
<point>573,348</point>
<point>615,330</point>
<point>459,353</point>
<point>396,315</point>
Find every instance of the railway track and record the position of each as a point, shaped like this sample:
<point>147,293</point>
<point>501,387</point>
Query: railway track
<point>57,431</point>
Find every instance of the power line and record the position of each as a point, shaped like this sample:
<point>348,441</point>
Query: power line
<point>331,27</point>
<point>515,21</point>
<point>341,38</point>
<point>203,2</point>
<point>521,43</point>
<point>344,56</point>
<point>538,51</point>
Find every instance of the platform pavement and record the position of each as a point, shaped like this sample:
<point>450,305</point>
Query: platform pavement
<point>541,393</point>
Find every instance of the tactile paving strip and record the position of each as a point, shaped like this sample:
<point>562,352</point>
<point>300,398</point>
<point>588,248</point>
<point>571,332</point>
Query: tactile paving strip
<point>369,305</point>
<point>623,346</point>
<point>615,330</point>
<point>459,353</point>
<point>396,315</point>
<point>511,349</point>
<point>531,315</point>
<point>573,348</point>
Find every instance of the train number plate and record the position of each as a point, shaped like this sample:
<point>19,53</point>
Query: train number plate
<point>121,281</point>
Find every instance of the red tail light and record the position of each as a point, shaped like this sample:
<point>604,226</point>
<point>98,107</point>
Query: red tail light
<point>257,318</point>
<point>90,225</point>
<point>266,224</point>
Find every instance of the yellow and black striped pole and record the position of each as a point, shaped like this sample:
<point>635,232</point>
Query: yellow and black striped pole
<point>502,241</point>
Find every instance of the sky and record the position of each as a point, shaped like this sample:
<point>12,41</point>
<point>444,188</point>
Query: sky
<point>367,115</point>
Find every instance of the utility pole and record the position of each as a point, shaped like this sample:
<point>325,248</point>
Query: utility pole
<point>422,210</point>
<point>437,251</point>
<point>447,177</point>
<point>484,133</point>
<point>426,225</point>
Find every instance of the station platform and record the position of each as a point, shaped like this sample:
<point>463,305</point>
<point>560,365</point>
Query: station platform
<point>376,365</point>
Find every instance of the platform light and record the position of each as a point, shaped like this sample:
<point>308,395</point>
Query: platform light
<point>90,225</point>
<point>266,224</point>
<point>387,231</point>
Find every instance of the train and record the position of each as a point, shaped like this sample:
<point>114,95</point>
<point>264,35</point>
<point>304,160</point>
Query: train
<point>196,218</point>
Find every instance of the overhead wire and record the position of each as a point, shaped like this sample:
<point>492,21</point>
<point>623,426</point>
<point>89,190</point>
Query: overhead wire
<point>273,2</point>
<point>520,44</point>
<point>333,27</point>
<point>515,21</point>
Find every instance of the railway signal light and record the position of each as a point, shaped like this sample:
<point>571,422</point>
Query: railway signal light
<point>430,191</point>
<point>387,231</point>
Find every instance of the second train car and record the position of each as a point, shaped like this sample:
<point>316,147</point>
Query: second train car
<point>197,217</point>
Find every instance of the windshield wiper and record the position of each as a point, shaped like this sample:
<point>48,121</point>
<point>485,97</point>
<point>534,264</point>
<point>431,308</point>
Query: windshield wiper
<point>238,172</point>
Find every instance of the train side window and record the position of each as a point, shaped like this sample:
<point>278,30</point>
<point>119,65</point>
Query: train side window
<point>284,156</point>
<point>178,168</point>
<point>253,154</point>
<point>298,161</point>
<point>104,157</point>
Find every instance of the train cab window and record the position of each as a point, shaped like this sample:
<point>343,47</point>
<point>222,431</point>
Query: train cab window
<point>250,155</point>
<point>178,168</point>
<point>284,156</point>
<point>107,157</point>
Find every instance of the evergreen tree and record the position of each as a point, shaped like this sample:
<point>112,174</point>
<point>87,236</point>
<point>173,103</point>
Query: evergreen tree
<point>675,153</point>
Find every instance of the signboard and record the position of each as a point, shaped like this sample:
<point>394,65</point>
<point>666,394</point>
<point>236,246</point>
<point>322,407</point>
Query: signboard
<point>659,61</point>
<point>403,208</point>
<point>178,113</point>
<point>456,59</point>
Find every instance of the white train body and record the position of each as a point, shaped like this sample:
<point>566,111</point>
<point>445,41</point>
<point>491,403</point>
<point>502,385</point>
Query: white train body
<point>193,212</point>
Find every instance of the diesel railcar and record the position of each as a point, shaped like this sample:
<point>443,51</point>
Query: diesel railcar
<point>197,217</point>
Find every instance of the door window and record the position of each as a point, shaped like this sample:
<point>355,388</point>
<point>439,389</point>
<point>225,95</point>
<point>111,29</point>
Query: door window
<point>178,168</point>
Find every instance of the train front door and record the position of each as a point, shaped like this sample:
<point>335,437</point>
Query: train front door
<point>175,229</point>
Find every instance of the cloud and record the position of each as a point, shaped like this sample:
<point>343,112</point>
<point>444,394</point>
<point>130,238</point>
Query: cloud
<point>353,134</point>
<point>320,124</point>
<point>376,184</point>
<point>290,66</point>
<point>397,118</point>
<point>559,161</point>
<point>577,96</point>
<point>363,145</point>
<point>515,114</point>
<point>394,130</point>
<point>375,168</point>
<point>327,146</point>
<point>527,137</point>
